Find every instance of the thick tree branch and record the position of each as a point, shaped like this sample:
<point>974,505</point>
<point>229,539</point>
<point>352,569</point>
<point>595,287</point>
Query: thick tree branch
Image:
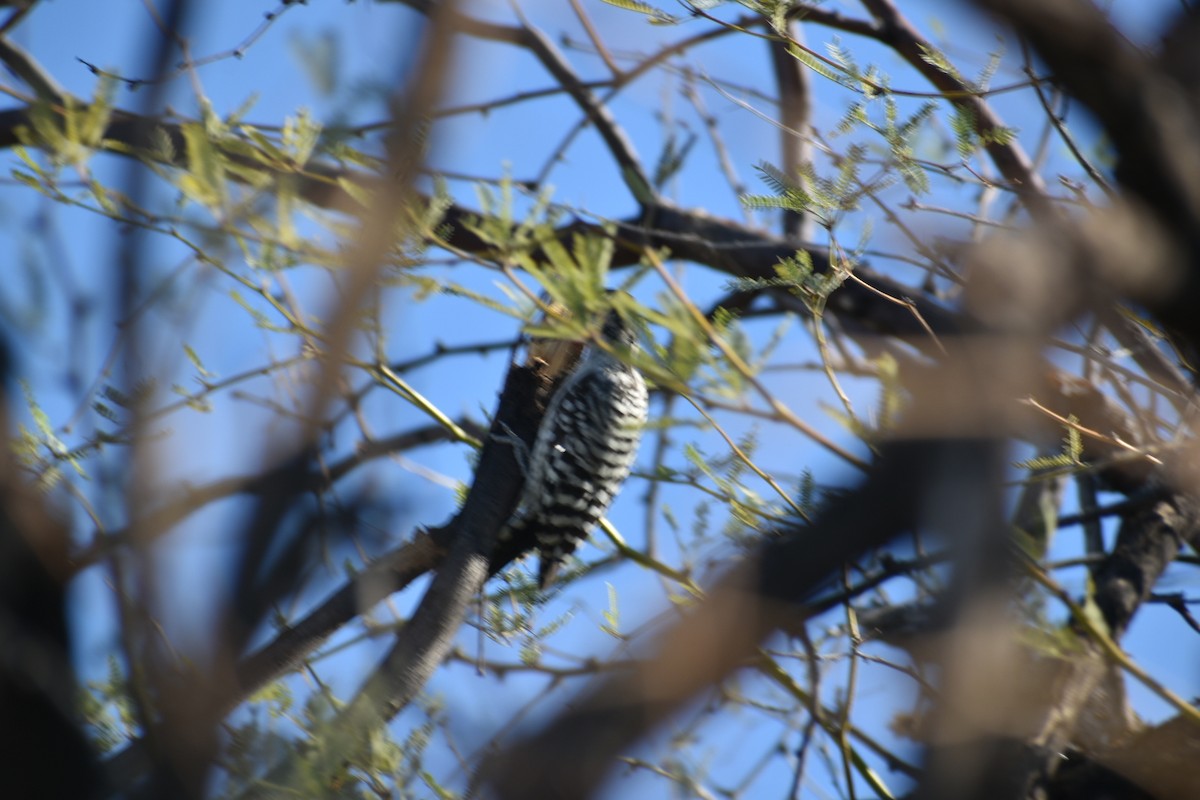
<point>1148,541</point>
<point>426,639</point>
<point>28,70</point>
<point>382,577</point>
<point>795,111</point>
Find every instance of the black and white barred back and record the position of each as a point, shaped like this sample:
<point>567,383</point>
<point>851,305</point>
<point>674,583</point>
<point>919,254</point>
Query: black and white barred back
<point>584,450</point>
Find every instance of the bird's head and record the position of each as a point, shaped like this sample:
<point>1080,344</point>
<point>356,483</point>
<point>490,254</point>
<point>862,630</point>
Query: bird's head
<point>618,332</point>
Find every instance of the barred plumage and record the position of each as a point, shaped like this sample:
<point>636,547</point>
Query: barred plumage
<point>584,450</point>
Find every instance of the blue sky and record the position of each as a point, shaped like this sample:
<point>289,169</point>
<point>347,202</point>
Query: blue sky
<point>365,40</point>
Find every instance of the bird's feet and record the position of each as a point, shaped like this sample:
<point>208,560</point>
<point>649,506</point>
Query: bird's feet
<point>520,449</point>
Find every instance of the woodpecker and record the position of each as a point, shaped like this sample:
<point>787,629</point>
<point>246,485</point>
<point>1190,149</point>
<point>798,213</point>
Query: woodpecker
<point>584,450</point>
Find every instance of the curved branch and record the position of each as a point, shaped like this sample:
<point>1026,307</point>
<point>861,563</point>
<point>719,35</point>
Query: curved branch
<point>163,519</point>
<point>899,34</point>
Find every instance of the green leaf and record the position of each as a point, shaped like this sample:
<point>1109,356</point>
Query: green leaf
<point>102,197</point>
<point>195,359</point>
<point>300,136</point>
<point>1091,610</point>
<point>105,412</point>
<point>93,120</point>
<point>938,61</point>
<point>820,67</point>
<point>277,697</point>
<point>42,421</point>
<point>260,319</point>
<point>672,159</point>
<point>963,124</point>
<point>356,191</point>
<point>1044,463</point>
<point>204,181</point>
<point>440,791</point>
<point>270,153</point>
<point>285,207</point>
<point>612,617</point>
<point>320,57</point>
<point>984,80</point>
<point>530,652</point>
<point>998,135</point>
<point>33,182</point>
<point>656,16</point>
<point>164,145</point>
